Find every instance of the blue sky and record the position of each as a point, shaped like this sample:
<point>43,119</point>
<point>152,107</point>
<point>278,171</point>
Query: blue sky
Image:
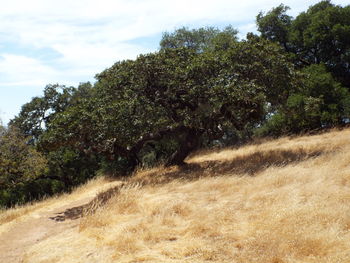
<point>67,42</point>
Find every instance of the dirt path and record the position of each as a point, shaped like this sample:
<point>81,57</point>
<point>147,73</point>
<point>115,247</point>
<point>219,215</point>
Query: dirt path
<point>43,223</point>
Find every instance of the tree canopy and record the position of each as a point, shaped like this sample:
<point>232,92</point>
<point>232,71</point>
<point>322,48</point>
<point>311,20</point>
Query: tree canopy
<point>199,40</point>
<point>19,164</point>
<point>319,35</point>
<point>178,94</point>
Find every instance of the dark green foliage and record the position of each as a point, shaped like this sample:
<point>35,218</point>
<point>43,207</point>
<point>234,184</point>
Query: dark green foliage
<point>19,162</point>
<point>29,191</point>
<point>36,114</point>
<point>321,102</point>
<point>322,35</point>
<point>318,41</point>
<point>199,40</point>
<point>64,167</point>
<point>168,103</point>
<point>319,35</point>
<point>20,166</point>
<point>275,25</point>
<point>70,167</point>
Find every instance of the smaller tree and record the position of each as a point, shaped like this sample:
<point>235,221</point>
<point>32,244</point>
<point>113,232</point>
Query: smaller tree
<point>36,114</point>
<point>275,25</point>
<point>20,164</point>
<point>319,35</point>
<point>320,102</point>
<point>199,40</point>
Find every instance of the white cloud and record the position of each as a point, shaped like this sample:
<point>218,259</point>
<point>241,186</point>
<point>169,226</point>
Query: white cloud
<point>22,70</point>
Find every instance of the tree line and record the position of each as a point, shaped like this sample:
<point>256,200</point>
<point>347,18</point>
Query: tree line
<point>203,87</point>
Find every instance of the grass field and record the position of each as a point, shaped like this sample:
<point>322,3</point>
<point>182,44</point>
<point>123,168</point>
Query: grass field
<point>285,200</point>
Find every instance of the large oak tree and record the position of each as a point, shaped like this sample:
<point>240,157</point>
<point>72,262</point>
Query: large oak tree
<point>177,94</point>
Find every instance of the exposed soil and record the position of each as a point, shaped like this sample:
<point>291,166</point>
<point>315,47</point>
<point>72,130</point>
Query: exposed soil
<point>41,224</point>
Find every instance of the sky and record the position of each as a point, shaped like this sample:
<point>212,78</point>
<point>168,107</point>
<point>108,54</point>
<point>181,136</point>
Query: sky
<point>70,41</point>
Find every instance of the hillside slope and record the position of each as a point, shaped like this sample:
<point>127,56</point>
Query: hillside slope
<point>286,200</point>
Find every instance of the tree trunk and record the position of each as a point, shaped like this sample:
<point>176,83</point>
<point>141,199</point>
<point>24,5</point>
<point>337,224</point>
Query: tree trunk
<point>132,162</point>
<point>189,144</point>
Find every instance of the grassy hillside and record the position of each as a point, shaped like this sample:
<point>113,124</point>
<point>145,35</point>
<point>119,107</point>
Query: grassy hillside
<point>286,200</point>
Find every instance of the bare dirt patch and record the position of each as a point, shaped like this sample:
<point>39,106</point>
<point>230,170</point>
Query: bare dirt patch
<point>45,222</point>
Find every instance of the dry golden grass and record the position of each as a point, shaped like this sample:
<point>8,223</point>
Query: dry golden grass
<point>286,200</point>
